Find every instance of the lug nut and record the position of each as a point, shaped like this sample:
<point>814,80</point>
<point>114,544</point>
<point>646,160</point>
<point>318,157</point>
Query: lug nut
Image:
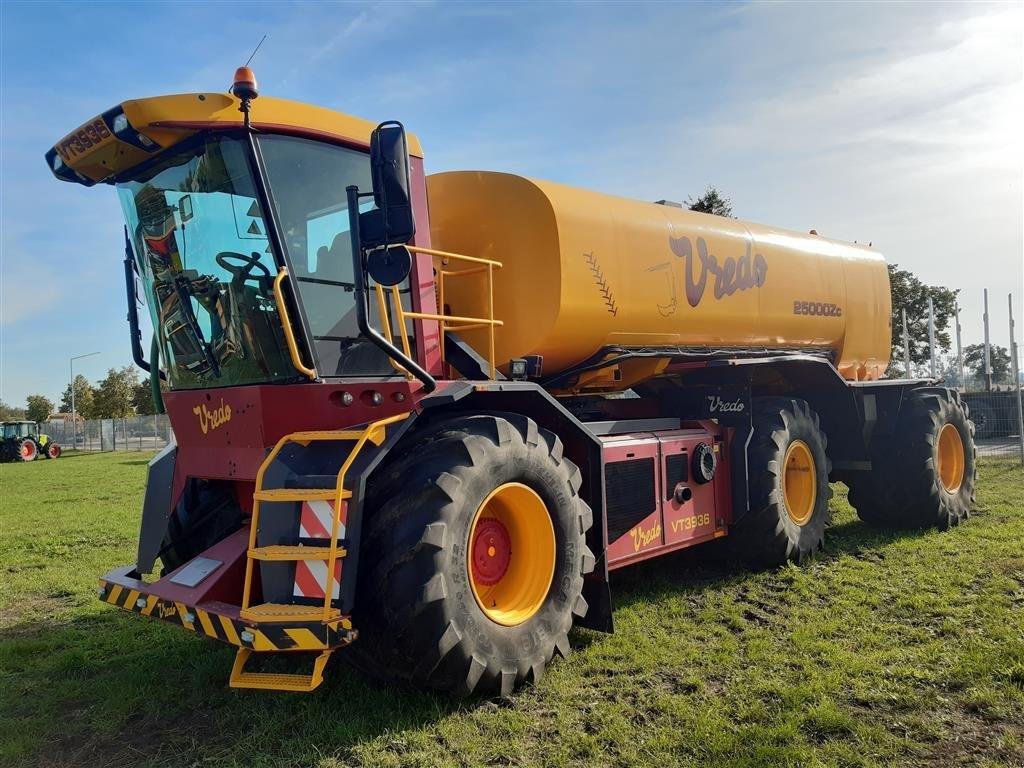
<point>140,603</point>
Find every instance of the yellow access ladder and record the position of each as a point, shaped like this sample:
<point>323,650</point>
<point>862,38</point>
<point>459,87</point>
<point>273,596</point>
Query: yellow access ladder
<point>287,613</point>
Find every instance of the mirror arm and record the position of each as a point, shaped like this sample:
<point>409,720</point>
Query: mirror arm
<point>362,301</point>
<point>133,312</point>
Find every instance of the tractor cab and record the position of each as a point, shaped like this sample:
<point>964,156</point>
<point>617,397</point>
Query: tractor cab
<point>239,238</point>
<point>18,429</point>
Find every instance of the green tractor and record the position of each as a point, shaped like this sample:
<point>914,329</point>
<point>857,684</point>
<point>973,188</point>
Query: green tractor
<point>21,441</point>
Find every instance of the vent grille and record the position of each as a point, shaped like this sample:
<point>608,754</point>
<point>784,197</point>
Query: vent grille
<point>677,470</point>
<point>629,494</point>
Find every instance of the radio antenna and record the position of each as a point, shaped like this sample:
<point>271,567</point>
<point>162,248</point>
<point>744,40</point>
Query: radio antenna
<point>254,51</point>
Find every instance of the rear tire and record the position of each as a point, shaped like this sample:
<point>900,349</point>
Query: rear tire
<point>417,610</point>
<point>925,475</point>
<point>788,486</point>
<point>27,450</point>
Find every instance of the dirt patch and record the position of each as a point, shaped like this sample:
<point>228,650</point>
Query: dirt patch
<point>971,741</point>
<point>141,739</point>
<point>36,606</point>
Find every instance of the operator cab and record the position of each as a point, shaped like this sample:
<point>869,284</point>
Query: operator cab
<point>221,204</point>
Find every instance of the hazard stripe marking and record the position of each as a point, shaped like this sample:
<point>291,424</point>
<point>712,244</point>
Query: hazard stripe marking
<point>151,602</point>
<point>181,615</point>
<point>317,519</point>
<point>311,577</point>
<point>229,630</point>
<point>304,638</point>
<point>204,619</point>
<point>114,594</point>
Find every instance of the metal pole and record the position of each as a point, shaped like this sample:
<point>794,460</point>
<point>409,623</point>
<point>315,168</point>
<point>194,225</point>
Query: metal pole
<point>74,416</point>
<point>906,346</point>
<point>959,350</point>
<point>74,428</point>
<point>1016,378</point>
<point>988,361</point>
<point>931,335</point>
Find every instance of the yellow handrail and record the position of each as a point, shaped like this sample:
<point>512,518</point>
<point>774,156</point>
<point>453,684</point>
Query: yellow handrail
<point>374,432</point>
<point>449,255</point>
<point>449,322</point>
<point>289,334</point>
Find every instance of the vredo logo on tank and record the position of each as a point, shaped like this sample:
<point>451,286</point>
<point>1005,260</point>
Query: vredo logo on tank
<point>211,419</point>
<point>701,267</point>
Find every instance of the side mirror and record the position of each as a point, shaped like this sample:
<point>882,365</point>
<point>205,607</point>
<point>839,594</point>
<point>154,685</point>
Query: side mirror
<point>389,265</point>
<point>392,221</point>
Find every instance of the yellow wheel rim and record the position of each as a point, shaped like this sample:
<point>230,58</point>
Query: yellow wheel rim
<point>951,458</point>
<point>511,554</point>
<point>799,482</point>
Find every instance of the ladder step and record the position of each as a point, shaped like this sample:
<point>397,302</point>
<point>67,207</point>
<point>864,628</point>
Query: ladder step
<point>277,681</point>
<point>287,612</point>
<point>283,552</point>
<point>332,434</point>
<point>300,494</point>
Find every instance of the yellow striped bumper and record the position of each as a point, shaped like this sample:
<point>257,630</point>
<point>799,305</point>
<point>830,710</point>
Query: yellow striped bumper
<point>305,636</point>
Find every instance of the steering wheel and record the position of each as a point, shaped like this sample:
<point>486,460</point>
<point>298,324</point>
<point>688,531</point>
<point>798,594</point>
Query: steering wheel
<point>241,272</point>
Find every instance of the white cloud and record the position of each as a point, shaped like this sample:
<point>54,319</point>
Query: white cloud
<point>912,139</point>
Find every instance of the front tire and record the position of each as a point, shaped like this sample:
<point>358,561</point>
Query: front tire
<point>788,488</point>
<point>472,559</point>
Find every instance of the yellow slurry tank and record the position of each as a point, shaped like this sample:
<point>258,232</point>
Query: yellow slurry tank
<point>584,271</point>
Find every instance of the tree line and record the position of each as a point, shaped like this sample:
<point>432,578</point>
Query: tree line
<point>118,395</point>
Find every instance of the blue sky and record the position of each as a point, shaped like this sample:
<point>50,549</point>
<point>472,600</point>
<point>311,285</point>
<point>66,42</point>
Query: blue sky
<point>897,124</point>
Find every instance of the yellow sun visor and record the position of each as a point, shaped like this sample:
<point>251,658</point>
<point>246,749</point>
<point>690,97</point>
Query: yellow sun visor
<point>133,132</point>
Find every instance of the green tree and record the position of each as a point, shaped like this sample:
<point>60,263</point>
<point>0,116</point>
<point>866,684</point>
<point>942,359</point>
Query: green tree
<point>712,201</point>
<point>142,398</point>
<point>85,396</point>
<point>999,359</point>
<point>39,408</point>
<point>115,395</point>
<point>9,413</point>
<point>909,293</point>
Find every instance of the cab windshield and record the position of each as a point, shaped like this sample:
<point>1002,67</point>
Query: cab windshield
<point>207,264</point>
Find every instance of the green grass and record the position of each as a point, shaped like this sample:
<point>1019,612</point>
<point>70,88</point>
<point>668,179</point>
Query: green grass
<point>888,649</point>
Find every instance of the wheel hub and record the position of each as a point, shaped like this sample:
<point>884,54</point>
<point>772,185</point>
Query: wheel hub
<point>799,482</point>
<point>510,554</point>
<point>951,458</point>
<point>492,551</point>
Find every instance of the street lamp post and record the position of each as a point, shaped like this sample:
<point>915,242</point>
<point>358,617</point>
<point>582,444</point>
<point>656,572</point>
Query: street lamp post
<point>74,416</point>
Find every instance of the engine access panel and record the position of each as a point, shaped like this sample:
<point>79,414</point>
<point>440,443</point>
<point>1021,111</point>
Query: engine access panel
<point>664,491</point>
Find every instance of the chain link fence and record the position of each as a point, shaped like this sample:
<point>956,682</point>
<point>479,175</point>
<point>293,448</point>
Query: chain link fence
<point>996,417</point>
<point>135,433</point>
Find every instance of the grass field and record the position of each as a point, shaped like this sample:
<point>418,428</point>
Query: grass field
<point>888,649</point>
